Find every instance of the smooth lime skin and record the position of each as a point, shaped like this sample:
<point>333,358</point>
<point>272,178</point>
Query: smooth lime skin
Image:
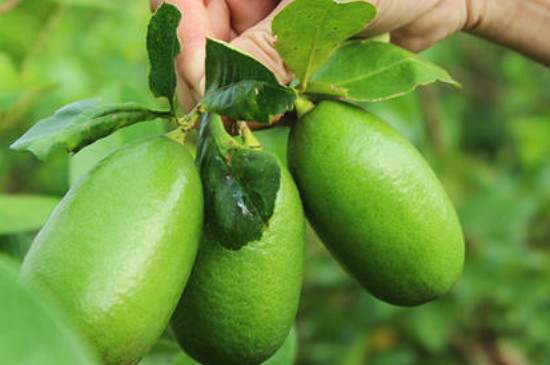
<point>376,204</point>
<point>239,305</point>
<point>117,251</point>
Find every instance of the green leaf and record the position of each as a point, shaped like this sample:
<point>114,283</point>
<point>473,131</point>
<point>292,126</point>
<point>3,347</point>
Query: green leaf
<point>240,185</point>
<point>372,71</point>
<point>240,87</point>
<point>23,213</point>
<point>163,46</point>
<point>32,330</point>
<point>308,31</point>
<point>79,124</point>
<point>226,64</point>
<point>250,100</point>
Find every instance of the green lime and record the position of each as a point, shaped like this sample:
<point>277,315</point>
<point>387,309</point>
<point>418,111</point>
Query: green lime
<point>239,305</point>
<point>117,251</point>
<point>376,204</point>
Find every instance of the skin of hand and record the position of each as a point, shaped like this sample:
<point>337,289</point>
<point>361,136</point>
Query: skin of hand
<point>413,24</point>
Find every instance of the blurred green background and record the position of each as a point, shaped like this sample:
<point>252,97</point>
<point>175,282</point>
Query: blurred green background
<point>489,143</point>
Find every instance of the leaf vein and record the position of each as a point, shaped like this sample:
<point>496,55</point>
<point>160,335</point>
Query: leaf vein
<point>312,50</point>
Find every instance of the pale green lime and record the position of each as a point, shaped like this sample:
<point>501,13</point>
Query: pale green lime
<point>118,249</point>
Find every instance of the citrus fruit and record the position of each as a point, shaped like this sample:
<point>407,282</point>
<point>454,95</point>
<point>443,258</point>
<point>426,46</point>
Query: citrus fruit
<point>239,304</point>
<point>118,249</point>
<point>376,204</point>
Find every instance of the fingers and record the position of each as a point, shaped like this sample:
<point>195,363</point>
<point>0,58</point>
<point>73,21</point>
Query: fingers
<point>247,13</point>
<point>194,27</point>
<point>259,42</point>
<point>154,4</point>
<point>445,19</point>
<point>219,13</point>
<point>394,14</point>
<point>187,98</point>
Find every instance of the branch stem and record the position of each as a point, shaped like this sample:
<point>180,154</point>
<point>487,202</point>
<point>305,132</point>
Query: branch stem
<point>303,106</point>
<point>248,137</point>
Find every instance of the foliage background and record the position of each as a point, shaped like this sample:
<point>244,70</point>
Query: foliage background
<point>489,143</point>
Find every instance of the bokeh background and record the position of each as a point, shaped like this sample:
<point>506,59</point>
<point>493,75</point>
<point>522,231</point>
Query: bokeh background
<point>488,142</point>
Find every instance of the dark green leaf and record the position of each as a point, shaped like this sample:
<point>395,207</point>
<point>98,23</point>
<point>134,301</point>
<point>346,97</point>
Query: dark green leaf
<point>22,213</point>
<point>163,46</point>
<point>308,31</point>
<point>33,330</point>
<point>240,185</point>
<point>371,71</point>
<point>79,124</point>
<point>226,64</point>
<point>250,100</point>
<point>240,87</point>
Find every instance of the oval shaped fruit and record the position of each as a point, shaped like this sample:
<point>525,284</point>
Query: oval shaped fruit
<point>376,204</point>
<point>239,305</point>
<point>118,249</point>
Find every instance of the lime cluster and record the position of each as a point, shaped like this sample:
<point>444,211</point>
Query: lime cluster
<point>126,252</point>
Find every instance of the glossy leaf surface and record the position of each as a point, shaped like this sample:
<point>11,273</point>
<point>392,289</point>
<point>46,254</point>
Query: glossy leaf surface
<point>308,31</point>
<point>240,87</point>
<point>240,184</point>
<point>79,124</point>
<point>163,46</point>
<point>371,71</point>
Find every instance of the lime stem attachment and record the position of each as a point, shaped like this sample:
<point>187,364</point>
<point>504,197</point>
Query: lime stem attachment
<point>177,135</point>
<point>303,106</point>
<point>185,124</point>
<point>248,137</point>
<point>189,120</point>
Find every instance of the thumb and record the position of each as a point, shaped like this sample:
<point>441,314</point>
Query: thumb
<point>258,41</point>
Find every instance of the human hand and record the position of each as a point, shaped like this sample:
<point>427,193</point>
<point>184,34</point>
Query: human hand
<point>412,24</point>
<point>247,24</point>
<point>244,23</point>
